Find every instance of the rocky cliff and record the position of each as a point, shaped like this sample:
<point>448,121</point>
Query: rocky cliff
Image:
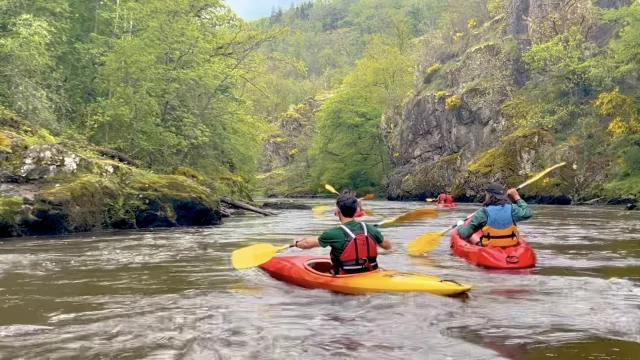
<point>454,132</point>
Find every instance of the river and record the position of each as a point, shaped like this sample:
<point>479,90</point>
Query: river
<point>172,294</point>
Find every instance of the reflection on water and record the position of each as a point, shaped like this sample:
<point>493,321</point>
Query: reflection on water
<point>173,294</point>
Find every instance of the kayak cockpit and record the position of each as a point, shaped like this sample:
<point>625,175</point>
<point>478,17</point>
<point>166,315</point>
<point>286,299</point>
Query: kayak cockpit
<point>323,267</point>
<point>319,265</point>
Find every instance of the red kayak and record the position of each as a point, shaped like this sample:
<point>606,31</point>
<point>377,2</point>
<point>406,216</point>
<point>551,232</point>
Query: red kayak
<point>359,213</point>
<point>446,205</point>
<point>520,256</point>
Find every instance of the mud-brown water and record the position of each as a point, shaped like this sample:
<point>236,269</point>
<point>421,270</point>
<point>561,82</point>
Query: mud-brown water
<point>172,294</point>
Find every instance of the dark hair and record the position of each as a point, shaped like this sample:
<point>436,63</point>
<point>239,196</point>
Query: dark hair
<point>348,205</point>
<point>491,199</point>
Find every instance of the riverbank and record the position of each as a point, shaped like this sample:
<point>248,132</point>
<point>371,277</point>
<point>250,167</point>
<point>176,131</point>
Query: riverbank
<point>51,186</point>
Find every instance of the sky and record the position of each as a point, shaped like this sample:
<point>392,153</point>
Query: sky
<point>253,9</point>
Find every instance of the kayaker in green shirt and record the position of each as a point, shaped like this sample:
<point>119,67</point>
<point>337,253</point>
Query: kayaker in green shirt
<point>353,244</point>
<point>497,219</point>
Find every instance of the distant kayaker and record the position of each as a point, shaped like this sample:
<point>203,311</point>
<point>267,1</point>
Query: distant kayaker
<point>445,198</point>
<point>497,219</point>
<point>353,244</point>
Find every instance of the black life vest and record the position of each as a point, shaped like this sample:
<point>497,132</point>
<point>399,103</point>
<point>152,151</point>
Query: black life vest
<point>360,254</point>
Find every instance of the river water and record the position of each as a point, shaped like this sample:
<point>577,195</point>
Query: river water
<point>173,294</point>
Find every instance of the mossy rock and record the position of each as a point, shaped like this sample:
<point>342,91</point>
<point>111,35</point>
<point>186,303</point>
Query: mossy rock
<point>10,216</point>
<point>430,180</point>
<point>85,201</point>
<point>190,174</point>
<point>512,160</point>
<point>172,187</point>
<point>173,200</point>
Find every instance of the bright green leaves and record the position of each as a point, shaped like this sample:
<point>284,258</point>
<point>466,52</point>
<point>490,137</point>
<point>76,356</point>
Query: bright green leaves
<point>28,64</point>
<point>349,149</point>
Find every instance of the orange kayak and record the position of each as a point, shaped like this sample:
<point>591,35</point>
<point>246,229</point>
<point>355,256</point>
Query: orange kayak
<point>312,272</point>
<point>520,256</point>
<point>446,205</point>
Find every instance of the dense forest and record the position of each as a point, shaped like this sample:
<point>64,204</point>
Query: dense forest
<point>331,91</point>
<point>406,87</point>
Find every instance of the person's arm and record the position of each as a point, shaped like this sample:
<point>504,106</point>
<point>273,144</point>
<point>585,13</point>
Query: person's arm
<point>478,220</point>
<point>385,244</point>
<point>377,236</point>
<point>520,209</point>
<point>307,243</point>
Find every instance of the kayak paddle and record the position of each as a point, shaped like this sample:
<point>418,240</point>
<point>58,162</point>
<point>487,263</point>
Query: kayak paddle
<point>330,188</point>
<point>426,242</point>
<point>410,215</point>
<point>322,208</point>
<point>255,255</point>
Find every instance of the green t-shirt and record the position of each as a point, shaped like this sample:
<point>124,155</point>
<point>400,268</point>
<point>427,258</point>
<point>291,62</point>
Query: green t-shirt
<point>337,238</point>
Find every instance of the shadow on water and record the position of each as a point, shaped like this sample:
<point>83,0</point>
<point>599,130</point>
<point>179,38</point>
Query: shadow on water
<point>167,294</point>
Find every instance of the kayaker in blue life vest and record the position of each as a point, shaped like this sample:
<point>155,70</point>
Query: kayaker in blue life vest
<point>354,245</point>
<point>497,219</point>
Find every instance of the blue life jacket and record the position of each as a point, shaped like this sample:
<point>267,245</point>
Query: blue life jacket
<point>500,230</point>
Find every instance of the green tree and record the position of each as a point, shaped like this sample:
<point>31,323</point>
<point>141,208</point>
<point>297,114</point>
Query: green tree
<point>349,148</point>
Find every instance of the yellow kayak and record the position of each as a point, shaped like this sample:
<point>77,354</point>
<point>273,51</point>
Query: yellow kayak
<point>313,272</point>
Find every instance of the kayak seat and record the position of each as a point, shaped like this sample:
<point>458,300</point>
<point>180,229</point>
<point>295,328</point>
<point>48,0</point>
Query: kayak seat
<point>325,267</point>
<point>320,265</point>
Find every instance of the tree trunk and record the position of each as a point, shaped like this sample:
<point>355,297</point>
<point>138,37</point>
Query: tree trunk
<point>246,207</point>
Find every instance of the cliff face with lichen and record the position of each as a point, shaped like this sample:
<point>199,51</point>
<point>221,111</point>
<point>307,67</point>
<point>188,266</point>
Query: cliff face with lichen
<point>453,133</point>
<point>52,187</point>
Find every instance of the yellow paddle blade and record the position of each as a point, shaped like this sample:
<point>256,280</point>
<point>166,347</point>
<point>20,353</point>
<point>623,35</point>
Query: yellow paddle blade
<point>368,197</point>
<point>254,255</point>
<point>540,175</point>
<point>320,209</point>
<point>424,243</point>
<point>330,188</point>
<point>368,212</point>
<point>431,200</point>
<point>411,216</point>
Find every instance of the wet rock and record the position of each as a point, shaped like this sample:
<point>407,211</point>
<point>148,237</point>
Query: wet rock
<point>47,221</point>
<point>151,219</point>
<point>631,207</point>
<point>194,213</point>
<point>123,224</point>
<point>548,199</point>
<point>623,201</point>
<point>285,205</point>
